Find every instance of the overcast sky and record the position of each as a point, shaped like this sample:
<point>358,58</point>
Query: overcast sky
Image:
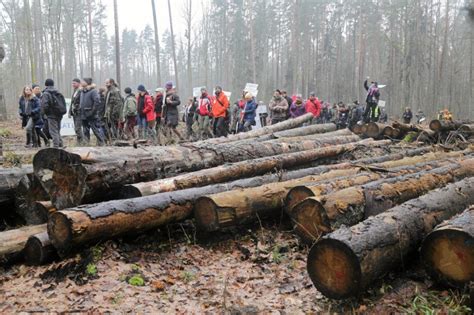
<point>136,14</point>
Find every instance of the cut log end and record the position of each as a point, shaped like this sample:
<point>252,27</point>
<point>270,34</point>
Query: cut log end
<point>334,269</point>
<point>449,256</point>
<point>295,196</point>
<point>59,230</point>
<point>435,125</point>
<point>66,184</point>
<point>310,220</point>
<point>205,213</point>
<point>39,250</point>
<point>129,191</point>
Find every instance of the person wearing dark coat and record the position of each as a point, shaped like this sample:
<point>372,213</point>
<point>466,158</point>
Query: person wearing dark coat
<point>90,105</point>
<point>53,105</point>
<point>188,117</point>
<point>407,115</point>
<point>372,100</point>
<point>75,110</point>
<point>249,112</point>
<point>29,107</point>
<point>172,102</point>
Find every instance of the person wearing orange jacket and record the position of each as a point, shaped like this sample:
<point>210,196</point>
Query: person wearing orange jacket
<point>220,104</point>
<point>313,106</point>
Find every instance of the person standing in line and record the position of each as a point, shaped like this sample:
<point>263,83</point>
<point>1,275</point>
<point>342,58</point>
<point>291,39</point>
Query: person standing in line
<point>45,130</point>
<point>313,106</point>
<point>407,115</point>
<point>219,107</point>
<point>297,109</point>
<point>113,108</point>
<point>142,98</point>
<point>75,110</point>
<point>129,115</point>
<point>278,108</point>
<point>149,110</point>
<point>158,101</point>
<point>90,106</point>
<point>172,101</point>
<point>54,107</point>
<point>203,111</point>
<point>29,106</point>
<point>188,117</point>
<point>235,110</point>
<point>249,112</point>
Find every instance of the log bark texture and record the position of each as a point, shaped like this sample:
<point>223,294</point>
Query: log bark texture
<point>233,171</point>
<point>319,215</point>
<point>39,250</point>
<point>374,130</point>
<point>307,130</point>
<point>28,191</point>
<point>86,175</point>
<point>12,242</point>
<point>348,260</point>
<point>9,180</point>
<point>447,125</point>
<point>448,251</point>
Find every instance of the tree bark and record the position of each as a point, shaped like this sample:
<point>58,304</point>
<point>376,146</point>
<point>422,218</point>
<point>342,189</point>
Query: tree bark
<point>447,125</point>
<point>117,44</point>
<point>392,132</point>
<point>304,131</point>
<point>320,215</point>
<point>39,250</point>
<point>448,251</point>
<point>12,242</point>
<point>348,260</point>
<point>28,191</point>
<point>467,128</point>
<point>9,180</point>
<point>233,171</point>
<point>374,130</point>
<point>86,175</point>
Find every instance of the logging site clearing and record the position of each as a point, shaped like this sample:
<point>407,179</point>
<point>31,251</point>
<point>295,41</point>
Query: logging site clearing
<point>290,218</point>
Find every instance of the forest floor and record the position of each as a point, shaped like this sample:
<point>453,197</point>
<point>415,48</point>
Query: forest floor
<point>260,268</point>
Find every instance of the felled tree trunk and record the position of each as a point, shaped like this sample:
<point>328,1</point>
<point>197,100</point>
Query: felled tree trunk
<point>447,125</point>
<point>336,137</point>
<point>319,215</point>
<point>233,171</point>
<point>39,250</point>
<point>374,130</point>
<point>448,251</point>
<point>86,175</point>
<point>9,180</point>
<point>391,132</point>
<point>308,130</point>
<point>408,158</point>
<point>12,242</point>
<point>467,129</point>
<point>28,191</point>
<point>348,260</point>
<point>45,208</point>
<point>357,129</point>
<point>404,128</point>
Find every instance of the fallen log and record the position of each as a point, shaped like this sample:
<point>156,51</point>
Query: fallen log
<point>357,129</point>
<point>39,250</point>
<point>410,158</point>
<point>305,134</point>
<point>467,129</point>
<point>447,125</point>
<point>45,208</point>
<point>86,175</point>
<point>237,170</point>
<point>342,264</point>
<point>374,130</point>
<point>448,251</point>
<point>335,137</point>
<point>404,128</point>
<point>391,132</point>
<point>28,191</point>
<point>319,215</point>
<point>12,242</point>
<point>307,130</point>
<point>9,179</point>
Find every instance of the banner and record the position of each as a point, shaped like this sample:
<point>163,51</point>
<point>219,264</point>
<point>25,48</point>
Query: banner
<point>252,88</point>
<point>197,91</point>
<point>67,124</point>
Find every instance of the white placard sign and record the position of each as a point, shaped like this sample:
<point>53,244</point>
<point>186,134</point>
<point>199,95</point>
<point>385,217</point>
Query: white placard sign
<point>197,91</point>
<point>67,124</point>
<point>252,88</point>
<point>228,94</point>
<point>381,103</point>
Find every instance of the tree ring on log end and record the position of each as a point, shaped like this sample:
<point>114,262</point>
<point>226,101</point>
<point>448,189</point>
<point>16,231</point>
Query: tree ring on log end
<point>448,255</point>
<point>59,230</point>
<point>205,213</point>
<point>435,125</point>
<point>295,195</point>
<point>129,191</point>
<point>32,252</point>
<point>310,220</point>
<point>62,175</point>
<point>334,269</point>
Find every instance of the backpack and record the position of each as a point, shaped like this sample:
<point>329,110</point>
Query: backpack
<point>58,105</point>
<point>131,106</point>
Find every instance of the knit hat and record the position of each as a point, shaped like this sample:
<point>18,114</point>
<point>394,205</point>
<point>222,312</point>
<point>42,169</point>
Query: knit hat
<point>141,88</point>
<point>169,85</point>
<point>76,80</point>
<point>49,82</point>
<point>87,80</point>
<point>33,86</point>
<point>128,90</point>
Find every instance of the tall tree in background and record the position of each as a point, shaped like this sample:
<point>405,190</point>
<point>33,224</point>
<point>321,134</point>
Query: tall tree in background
<point>173,48</point>
<point>157,44</point>
<point>91,39</point>
<point>117,43</point>
<point>29,30</point>
<point>188,7</point>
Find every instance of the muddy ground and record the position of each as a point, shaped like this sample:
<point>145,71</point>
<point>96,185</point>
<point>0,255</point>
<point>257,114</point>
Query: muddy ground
<point>254,269</point>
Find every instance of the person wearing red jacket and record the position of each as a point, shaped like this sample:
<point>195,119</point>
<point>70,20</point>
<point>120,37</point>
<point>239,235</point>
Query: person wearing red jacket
<point>204,112</point>
<point>146,113</point>
<point>313,106</point>
<point>220,104</point>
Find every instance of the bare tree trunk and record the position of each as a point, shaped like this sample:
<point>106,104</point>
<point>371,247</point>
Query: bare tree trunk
<point>117,43</point>
<point>173,48</point>
<point>157,44</point>
<point>188,17</point>
<point>91,42</point>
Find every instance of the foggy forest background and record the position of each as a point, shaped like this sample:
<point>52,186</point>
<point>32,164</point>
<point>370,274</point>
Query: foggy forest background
<point>423,50</point>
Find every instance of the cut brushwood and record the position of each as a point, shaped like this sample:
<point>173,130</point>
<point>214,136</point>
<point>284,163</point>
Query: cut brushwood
<point>448,251</point>
<point>318,215</point>
<point>347,261</point>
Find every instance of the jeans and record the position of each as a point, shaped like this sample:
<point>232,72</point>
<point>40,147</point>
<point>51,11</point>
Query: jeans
<point>142,127</point>
<point>55,131</point>
<point>203,124</point>
<point>78,129</point>
<point>92,123</point>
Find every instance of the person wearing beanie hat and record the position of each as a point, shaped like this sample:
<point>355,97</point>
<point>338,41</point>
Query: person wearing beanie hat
<point>169,85</point>
<point>203,114</point>
<point>248,113</point>
<point>75,110</point>
<point>297,108</point>
<point>53,105</point>
<point>171,117</point>
<point>90,106</point>
<point>141,88</point>
<point>158,102</point>
<point>129,115</point>
<point>144,103</point>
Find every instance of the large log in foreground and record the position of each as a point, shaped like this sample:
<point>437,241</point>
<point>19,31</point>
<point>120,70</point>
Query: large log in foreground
<point>39,250</point>
<point>233,171</point>
<point>348,260</point>
<point>448,251</point>
<point>315,216</point>
<point>86,175</point>
<point>28,192</point>
<point>9,179</point>
<point>12,242</point>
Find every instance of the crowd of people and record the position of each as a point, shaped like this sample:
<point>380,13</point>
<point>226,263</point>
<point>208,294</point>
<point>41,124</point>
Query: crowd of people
<point>112,116</point>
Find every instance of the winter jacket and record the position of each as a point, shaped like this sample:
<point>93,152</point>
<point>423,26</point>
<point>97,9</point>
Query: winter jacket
<point>172,102</point>
<point>158,101</point>
<point>22,106</point>
<point>113,104</point>
<point>129,107</point>
<point>90,103</point>
<point>204,105</point>
<point>220,104</point>
<point>75,108</point>
<point>373,93</point>
<point>313,107</point>
<point>407,116</point>
<point>278,108</point>
<point>142,104</point>
<point>289,100</point>
<point>189,113</point>
<point>250,111</point>
<point>149,109</point>
<point>297,110</point>
<point>50,108</point>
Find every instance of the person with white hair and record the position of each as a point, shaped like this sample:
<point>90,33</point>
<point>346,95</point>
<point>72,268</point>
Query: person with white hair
<point>248,113</point>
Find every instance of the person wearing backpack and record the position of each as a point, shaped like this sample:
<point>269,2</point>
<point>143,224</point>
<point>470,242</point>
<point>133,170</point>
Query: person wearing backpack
<point>219,107</point>
<point>129,113</point>
<point>53,105</point>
